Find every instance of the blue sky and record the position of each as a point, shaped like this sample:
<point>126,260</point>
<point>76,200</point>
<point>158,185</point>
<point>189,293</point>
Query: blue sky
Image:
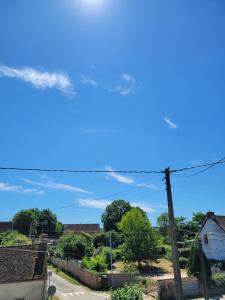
<point>111,84</point>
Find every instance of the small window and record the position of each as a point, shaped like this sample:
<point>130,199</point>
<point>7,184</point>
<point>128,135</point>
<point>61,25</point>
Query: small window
<point>206,239</point>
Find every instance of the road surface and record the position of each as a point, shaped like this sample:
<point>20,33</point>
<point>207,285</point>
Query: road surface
<point>68,291</point>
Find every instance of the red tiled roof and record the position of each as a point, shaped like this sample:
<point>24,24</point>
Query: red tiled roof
<point>90,228</point>
<point>5,226</point>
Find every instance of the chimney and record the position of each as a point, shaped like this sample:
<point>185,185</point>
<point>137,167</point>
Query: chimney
<point>210,214</point>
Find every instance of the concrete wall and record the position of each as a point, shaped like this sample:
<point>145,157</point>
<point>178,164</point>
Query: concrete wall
<point>27,290</point>
<point>215,248</point>
<point>94,281</point>
<point>191,288</point>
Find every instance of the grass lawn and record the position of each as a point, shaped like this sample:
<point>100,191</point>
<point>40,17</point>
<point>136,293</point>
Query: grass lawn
<point>64,275</point>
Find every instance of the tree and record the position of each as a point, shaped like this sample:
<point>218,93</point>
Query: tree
<point>49,223</point>
<point>11,238</point>
<point>38,220</point>
<point>24,219</point>
<point>102,239</point>
<point>114,213</point>
<point>138,235</point>
<point>197,221</point>
<point>163,224</point>
<point>71,245</point>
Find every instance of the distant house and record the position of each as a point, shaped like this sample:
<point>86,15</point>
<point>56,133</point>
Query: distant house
<point>79,228</point>
<point>212,236</point>
<point>23,272</point>
<point>6,226</point>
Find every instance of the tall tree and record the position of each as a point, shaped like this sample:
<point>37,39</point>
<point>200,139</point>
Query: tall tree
<point>139,238</point>
<point>114,213</point>
<point>38,220</point>
<point>24,219</point>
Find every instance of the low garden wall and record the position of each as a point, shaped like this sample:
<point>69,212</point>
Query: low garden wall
<point>94,281</point>
<point>191,289</point>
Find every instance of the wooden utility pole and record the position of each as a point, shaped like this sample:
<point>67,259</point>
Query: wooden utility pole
<point>173,234</point>
<point>203,271</point>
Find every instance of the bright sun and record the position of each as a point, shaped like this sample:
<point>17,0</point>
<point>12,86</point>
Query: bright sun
<point>93,2</point>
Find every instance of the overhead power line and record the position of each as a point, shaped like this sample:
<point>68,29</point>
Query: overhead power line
<point>205,165</point>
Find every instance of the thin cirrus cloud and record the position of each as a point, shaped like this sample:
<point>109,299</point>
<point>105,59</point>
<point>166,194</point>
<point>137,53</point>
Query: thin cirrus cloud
<point>101,204</point>
<point>88,81</point>
<point>128,85</point>
<point>129,180</point>
<point>119,177</point>
<point>170,123</point>
<point>7,187</point>
<point>40,79</point>
<point>56,186</point>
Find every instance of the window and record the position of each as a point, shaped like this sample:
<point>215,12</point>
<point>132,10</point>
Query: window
<point>206,239</point>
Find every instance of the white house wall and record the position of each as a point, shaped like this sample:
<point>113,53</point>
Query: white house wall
<point>28,290</point>
<point>215,248</point>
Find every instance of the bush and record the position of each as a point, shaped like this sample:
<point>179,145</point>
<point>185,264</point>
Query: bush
<point>168,252</point>
<point>183,262</point>
<point>127,292</point>
<point>11,238</point>
<point>184,252</point>
<point>96,264</point>
<point>71,245</point>
<point>218,280</point>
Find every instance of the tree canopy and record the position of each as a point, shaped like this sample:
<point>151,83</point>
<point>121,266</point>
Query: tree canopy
<point>71,245</point>
<point>114,213</point>
<point>138,235</point>
<point>25,219</point>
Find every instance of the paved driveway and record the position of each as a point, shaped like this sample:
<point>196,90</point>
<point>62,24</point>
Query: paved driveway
<point>68,291</point>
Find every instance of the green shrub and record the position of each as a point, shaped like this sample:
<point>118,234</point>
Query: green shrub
<point>11,238</point>
<point>184,252</point>
<point>127,292</point>
<point>218,280</point>
<point>97,264</point>
<point>183,262</point>
<point>118,253</point>
<point>168,252</point>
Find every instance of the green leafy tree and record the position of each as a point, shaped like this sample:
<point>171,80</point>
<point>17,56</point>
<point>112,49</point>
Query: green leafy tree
<point>102,239</point>
<point>127,292</point>
<point>114,213</point>
<point>138,235</point>
<point>11,238</point>
<point>24,219</point>
<point>49,223</point>
<point>38,220</point>
<point>73,246</point>
<point>194,265</point>
<point>197,221</point>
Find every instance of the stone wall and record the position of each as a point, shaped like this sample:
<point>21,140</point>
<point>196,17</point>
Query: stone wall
<point>94,281</point>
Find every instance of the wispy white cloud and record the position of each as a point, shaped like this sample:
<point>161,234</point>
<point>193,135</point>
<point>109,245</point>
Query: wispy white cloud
<point>40,79</point>
<point>56,186</point>
<point>119,177</point>
<point>101,204</point>
<point>150,186</point>
<point>170,123</point>
<point>128,85</point>
<point>7,187</point>
<point>88,81</point>
<point>129,180</point>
